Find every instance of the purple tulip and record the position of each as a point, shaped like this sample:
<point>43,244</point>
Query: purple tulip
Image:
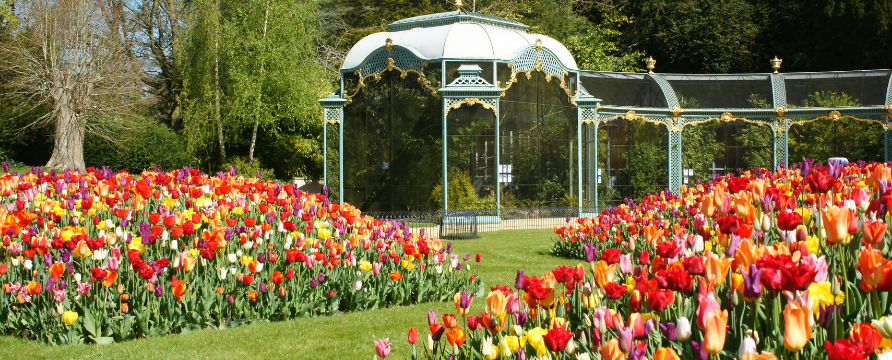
<point>314,284</point>
<point>732,245</point>
<point>589,252</point>
<point>699,352</point>
<point>752,289</point>
<point>625,336</point>
<point>518,281</point>
<point>321,277</point>
<point>159,291</point>
<point>826,312</point>
<point>262,287</point>
<point>521,355</point>
<point>521,318</point>
<point>467,256</point>
<point>431,317</point>
<point>668,330</point>
<point>465,300</point>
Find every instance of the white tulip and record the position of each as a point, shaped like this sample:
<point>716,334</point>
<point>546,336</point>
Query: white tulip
<point>173,245</point>
<point>29,264</point>
<point>232,258</point>
<point>683,329</point>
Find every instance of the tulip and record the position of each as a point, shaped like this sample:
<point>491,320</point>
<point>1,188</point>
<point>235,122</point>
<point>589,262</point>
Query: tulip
<point>518,281</point>
<point>747,346</point>
<point>496,302</point>
<point>683,329</point>
<point>883,326</point>
<point>836,224</point>
<point>604,273</point>
<point>715,331</point>
<point>763,356</point>
<point>873,233</point>
<point>752,287</point>
<point>871,265</point>
<point>797,331</point>
<point>867,336</point>
<point>666,354</point>
<point>708,304</point>
<point>382,348</point>
<point>625,263</point>
<point>611,350</point>
<point>625,337</point>
<point>512,304</point>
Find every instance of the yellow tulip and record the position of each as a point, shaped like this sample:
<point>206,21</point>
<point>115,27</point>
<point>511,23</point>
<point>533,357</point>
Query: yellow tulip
<point>69,317</point>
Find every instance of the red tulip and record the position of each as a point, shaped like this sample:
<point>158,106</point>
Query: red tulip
<point>413,335</point>
<point>557,338</point>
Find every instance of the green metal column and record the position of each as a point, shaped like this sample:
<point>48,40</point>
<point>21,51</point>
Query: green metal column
<point>781,140</point>
<point>579,158</point>
<point>593,175</point>
<point>498,162</point>
<point>887,138</point>
<point>324,149</point>
<point>675,160</point>
<point>445,176</point>
<point>341,198</point>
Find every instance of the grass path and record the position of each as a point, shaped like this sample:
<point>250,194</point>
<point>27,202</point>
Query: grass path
<point>345,336</point>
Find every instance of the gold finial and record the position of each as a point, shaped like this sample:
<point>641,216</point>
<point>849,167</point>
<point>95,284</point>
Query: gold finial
<point>388,44</point>
<point>458,5</point>
<point>780,111</point>
<point>726,117</point>
<point>538,44</point>
<point>835,115</point>
<point>651,64</point>
<point>776,63</point>
<point>676,110</point>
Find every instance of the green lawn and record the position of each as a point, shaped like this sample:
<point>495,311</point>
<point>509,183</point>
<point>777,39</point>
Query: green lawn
<point>346,336</point>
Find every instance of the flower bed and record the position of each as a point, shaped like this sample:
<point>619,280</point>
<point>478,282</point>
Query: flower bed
<point>103,257</point>
<point>790,264</point>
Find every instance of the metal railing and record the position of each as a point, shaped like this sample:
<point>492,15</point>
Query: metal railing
<point>465,224</point>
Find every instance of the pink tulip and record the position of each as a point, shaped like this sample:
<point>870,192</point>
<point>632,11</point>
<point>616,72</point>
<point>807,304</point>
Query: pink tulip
<point>625,263</point>
<point>708,305</point>
<point>382,348</point>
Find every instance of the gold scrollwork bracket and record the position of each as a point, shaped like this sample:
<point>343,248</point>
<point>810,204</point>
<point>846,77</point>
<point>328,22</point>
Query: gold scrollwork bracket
<point>471,102</point>
<point>391,65</point>
<point>529,75</point>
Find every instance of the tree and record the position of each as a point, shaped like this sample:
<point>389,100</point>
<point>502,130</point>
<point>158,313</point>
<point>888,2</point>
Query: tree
<point>75,55</point>
<point>201,85</point>
<point>161,25</point>
<point>272,77</point>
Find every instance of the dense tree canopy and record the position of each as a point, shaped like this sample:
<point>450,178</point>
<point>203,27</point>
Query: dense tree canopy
<point>236,82</point>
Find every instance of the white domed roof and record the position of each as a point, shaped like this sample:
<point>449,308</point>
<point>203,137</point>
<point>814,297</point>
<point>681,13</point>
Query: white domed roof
<point>459,36</point>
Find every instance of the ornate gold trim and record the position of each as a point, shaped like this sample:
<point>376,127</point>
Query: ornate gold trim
<point>631,115</point>
<point>538,44</point>
<point>471,102</point>
<point>333,120</point>
<point>836,116</point>
<point>529,76</point>
<point>727,117</point>
<point>388,44</point>
<point>390,66</point>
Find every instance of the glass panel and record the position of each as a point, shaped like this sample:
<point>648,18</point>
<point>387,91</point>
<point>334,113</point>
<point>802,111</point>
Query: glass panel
<point>633,157</point>
<point>392,137</point>
<point>538,136</point>
<point>471,158</point>
<point>848,138</point>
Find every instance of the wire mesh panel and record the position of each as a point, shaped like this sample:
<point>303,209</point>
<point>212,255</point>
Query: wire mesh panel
<point>333,132</point>
<point>848,138</point>
<point>392,142</point>
<point>623,89</point>
<point>471,154</point>
<point>717,148</point>
<point>632,159</point>
<point>458,224</point>
<point>538,144</point>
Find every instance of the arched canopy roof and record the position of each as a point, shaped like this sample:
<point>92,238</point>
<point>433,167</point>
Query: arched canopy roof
<point>734,91</point>
<point>457,35</point>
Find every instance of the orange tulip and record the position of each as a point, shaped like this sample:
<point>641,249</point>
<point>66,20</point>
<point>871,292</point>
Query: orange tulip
<point>871,265</point>
<point>611,351</point>
<point>110,278</point>
<point>652,234</point>
<point>456,336</point>
<point>604,273</point>
<point>716,269</point>
<point>714,338</point>
<point>745,255</point>
<point>57,270</point>
<point>796,328</point>
<point>496,302</point>
<point>707,208</point>
<point>757,187</point>
<point>666,354</point>
<point>873,233</point>
<point>836,224</point>
<point>763,356</point>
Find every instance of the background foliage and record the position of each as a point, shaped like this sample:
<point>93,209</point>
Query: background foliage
<point>212,72</point>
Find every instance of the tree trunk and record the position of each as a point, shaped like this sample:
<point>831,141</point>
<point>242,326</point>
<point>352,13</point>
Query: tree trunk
<point>260,91</point>
<point>68,149</point>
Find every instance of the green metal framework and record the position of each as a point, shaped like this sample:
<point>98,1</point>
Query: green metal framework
<point>471,89</point>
